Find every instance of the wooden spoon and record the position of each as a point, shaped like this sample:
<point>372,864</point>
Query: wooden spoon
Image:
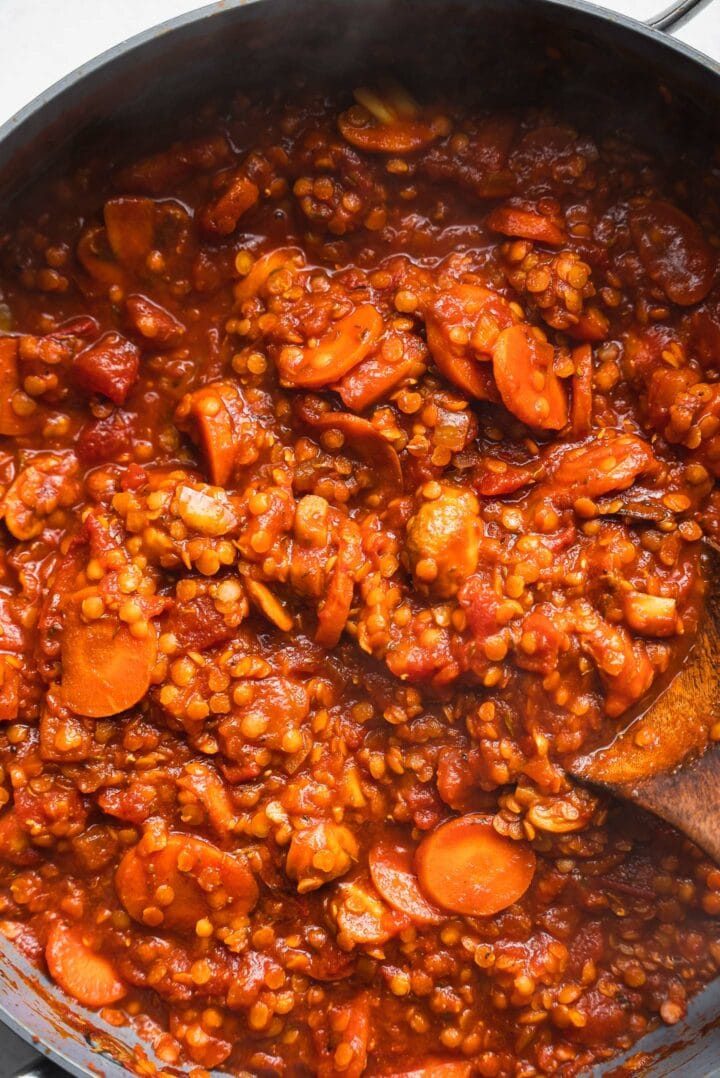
<point>665,761</point>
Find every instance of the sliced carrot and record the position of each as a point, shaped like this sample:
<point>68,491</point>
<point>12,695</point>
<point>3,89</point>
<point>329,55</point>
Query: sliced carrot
<point>130,225</point>
<point>11,424</point>
<point>222,215</point>
<point>582,395</point>
<point>345,344</point>
<point>190,879</point>
<point>268,604</point>
<point>362,916</point>
<point>348,1035</point>
<point>361,436</point>
<point>211,424</point>
<point>391,121</point>
<point>87,976</point>
<point>602,467</point>
<point>393,873</point>
<point>528,385</point>
<point>494,477</point>
<point>467,867</point>
<point>480,314</point>
<point>402,136</point>
<point>377,376</point>
<point>105,669</point>
<point>263,269</point>
<point>525,224</point>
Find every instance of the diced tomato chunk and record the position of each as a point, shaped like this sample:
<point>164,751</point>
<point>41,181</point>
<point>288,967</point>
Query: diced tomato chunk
<point>110,367</point>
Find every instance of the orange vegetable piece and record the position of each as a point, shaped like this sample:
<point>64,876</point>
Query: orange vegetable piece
<point>390,121</point>
<point>363,918</point>
<point>263,269</point>
<point>604,466</point>
<point>228,434</point>
<point>94,252</point>
<point>494,477</point>
<point>582,395</point>
<point>481,314</point>
<point>528,385</point>
<point>87,976</point>
<point>673,251</point>
<point>467,867</point>
<point>400,137</point>
<point>130,227</point>
<point>196,873</point>
<point>393,873</point>
<point>399,358</point>
<point>348,341</point>
<point>334,610</point>
<point>362,437</point>
<point>222,215</point>
<point>349,1033</point>
<point>11,424</point>
<point>105,669</point>
<point>527,225</point>
<point>592,325</point>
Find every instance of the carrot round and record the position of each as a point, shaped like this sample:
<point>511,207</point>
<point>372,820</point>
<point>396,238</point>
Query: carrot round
<point>402,136</point>
<point>190,879</point>
<point>105,669</point>
<point>467,867</point>
<point>342,347</point>
<point>393,873</point>
<point>87,976</point>
<point>526,381</point>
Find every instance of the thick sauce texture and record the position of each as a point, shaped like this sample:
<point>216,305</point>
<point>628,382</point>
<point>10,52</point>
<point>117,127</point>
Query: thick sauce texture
<point>355,460</point>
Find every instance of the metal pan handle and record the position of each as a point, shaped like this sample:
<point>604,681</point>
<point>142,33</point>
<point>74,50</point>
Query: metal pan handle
<point>41,1068</point>
<point>676,14</point>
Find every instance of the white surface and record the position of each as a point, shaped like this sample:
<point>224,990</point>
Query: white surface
<point>46,39</point>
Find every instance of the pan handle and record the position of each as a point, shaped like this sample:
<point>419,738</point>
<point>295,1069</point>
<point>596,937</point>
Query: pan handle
<point>41,1068</point>
<point>675,14</point>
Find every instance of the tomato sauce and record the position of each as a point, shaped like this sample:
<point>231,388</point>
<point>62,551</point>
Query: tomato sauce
<point>355,458</point>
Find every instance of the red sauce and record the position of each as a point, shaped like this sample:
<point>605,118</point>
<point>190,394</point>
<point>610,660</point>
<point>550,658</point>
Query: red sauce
<point>316,429</point>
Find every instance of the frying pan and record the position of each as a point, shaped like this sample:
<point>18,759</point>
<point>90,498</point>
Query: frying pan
<point>609,66</point>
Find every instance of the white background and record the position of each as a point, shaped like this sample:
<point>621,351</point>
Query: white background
<point>45,39</point>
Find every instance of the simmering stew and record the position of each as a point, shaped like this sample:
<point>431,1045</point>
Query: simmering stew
<point>355,460</point>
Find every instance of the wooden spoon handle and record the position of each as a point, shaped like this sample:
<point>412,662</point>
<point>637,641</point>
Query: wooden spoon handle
<point>688,798</point>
